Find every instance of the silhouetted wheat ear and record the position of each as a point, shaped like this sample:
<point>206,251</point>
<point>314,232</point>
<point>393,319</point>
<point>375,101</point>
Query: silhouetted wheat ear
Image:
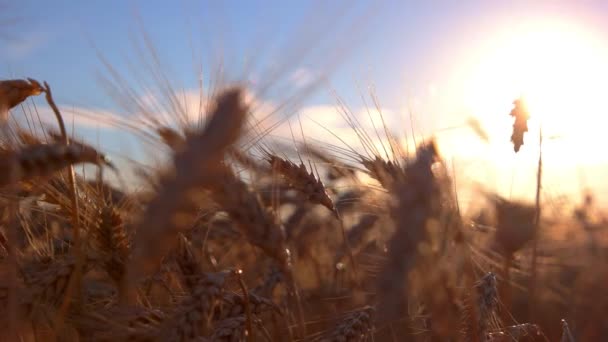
<point>260,226</point>
<point>233,305</point>
<point>256,222</point>
<point>196,167</point>
<point>514,224</point>
<point>487,303</point>
<point>171,138</point>
<point>13,92</point>
<point>302,180</point>
<point>112,242</point>
<point>416,197</point>
<point>271,280</point>
<point>137,324</point>
<point>44,160</point>
<point>231,329</point>
<point>193,315</point>
<point>355,326</point>
<point>188,263</point>
<point>386,172</point>
<point>520,125</point>
<point>47,283</point>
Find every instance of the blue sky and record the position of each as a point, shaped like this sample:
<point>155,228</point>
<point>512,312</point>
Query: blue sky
<point>416,54</point>
<point>402,42</point>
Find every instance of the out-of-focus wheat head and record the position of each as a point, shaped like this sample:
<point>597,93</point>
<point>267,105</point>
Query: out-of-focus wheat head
<point>520,125</point>
<point>13,92</point>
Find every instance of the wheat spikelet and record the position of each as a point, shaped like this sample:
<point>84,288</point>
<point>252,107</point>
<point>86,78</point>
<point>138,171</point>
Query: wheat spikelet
<point>257,223</point>
<point>112,242</point>
<point>260,227</point>
<point>193,315</point>
<point>232,329</point>
<point>196,166</point>
<point>233,305</point>
<point>188,263</point>
<point>302,180</point>
<point>136,324</point>
<point>48,281</point>
<point>13,92</point>
<point>356,326</point>
<point>520,125</point>
<point>386,172</point>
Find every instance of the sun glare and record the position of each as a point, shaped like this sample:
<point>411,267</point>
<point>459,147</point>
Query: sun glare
<point>561,72</point>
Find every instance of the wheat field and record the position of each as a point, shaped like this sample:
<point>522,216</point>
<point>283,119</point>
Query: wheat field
<point>234,237</point>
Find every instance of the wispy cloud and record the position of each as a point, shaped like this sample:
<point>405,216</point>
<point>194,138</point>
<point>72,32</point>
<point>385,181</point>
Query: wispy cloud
<point>302,77</point>
<point>25,45</point>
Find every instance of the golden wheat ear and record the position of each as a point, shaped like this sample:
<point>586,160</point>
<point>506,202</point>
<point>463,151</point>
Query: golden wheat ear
<point>43,160</point>
<point>13,92</point>
<point>102,159</point>
<point>302,180</point>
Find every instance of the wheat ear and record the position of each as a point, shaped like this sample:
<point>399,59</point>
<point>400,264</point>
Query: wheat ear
<point>415,199</point>
<point>195,167</point>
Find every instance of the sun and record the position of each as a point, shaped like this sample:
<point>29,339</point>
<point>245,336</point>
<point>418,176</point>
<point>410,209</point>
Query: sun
<point>560,70</point>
